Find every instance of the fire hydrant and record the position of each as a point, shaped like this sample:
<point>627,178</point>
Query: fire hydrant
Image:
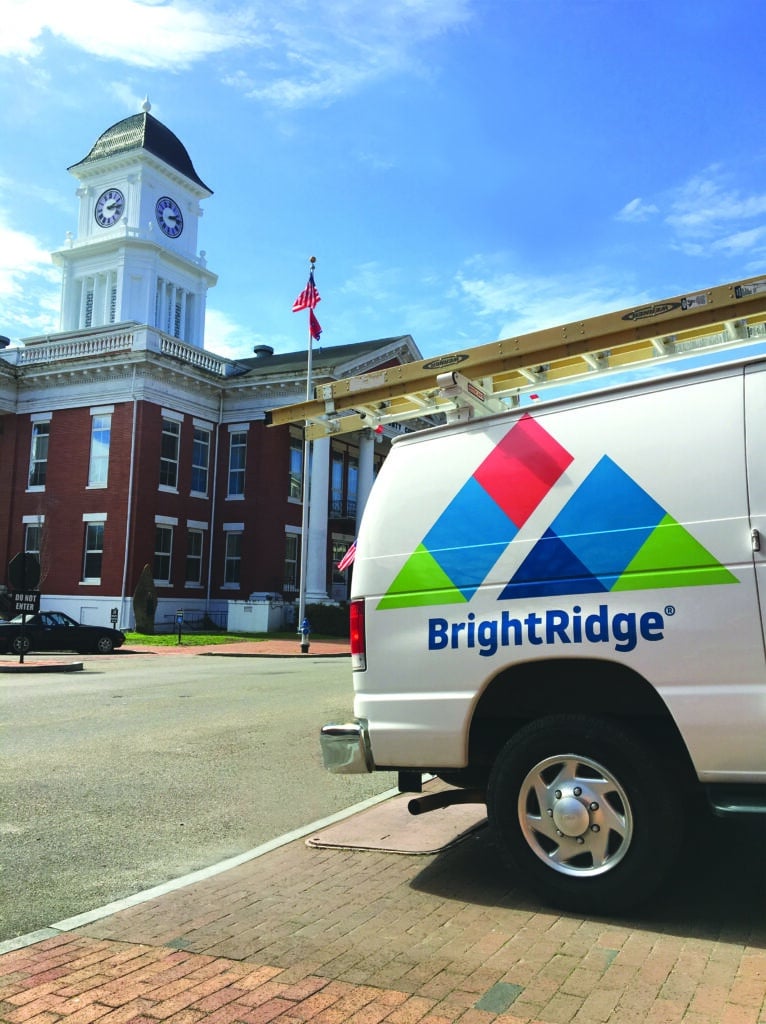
<point>305,630</point>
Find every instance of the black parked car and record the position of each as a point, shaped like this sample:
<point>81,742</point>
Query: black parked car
<point>55,631</point>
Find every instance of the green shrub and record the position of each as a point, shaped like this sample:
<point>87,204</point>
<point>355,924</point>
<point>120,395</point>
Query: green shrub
<point>328,619</point>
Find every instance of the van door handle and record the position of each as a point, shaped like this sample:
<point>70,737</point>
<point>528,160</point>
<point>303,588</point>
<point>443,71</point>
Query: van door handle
<point>755,536</point>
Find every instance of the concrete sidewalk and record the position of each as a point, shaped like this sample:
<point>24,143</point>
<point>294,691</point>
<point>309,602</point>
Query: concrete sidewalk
<point>336,935</point>
<point>37,662</point>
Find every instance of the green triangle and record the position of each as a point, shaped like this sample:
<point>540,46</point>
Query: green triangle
<point>671,557</point>
<point>421,581</point>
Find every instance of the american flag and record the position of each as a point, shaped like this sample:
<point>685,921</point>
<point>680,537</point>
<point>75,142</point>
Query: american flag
<point>348,558</point>
<point>314,326</point>
<point>309,297</point>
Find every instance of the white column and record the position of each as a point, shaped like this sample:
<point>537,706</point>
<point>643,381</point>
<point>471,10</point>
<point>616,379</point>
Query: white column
<point>316,561</point>
<point>366,472</point>
<point>83,302</point>
<point>182,318</point>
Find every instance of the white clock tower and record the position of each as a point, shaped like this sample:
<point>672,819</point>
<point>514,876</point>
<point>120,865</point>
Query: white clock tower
<point>135,255</point>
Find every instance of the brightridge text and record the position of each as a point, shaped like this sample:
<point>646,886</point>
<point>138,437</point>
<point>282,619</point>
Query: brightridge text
<point>551,627</point>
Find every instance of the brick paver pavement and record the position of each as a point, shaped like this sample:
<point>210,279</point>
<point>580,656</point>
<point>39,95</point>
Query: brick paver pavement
<point>331,936</point>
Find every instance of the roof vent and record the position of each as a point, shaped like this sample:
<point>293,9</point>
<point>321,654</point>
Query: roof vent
<point>261,351</point>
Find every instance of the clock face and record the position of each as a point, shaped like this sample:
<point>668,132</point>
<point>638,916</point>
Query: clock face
<point>169,217</point>
<point>109,207</point>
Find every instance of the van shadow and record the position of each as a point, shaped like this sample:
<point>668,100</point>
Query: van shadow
<point>716,892</point>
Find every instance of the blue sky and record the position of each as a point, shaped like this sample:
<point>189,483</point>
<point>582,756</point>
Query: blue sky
<point>463,170</point>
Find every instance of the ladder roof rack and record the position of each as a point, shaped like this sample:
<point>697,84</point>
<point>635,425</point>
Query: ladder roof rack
<point>482,379</point>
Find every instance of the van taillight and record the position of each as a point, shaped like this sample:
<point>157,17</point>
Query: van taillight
<point>358,644</point>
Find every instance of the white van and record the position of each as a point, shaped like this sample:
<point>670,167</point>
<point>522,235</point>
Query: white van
<point>562,608</point>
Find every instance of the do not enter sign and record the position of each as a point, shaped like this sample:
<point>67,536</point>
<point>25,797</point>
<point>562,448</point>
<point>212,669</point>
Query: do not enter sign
<point>24,571</point>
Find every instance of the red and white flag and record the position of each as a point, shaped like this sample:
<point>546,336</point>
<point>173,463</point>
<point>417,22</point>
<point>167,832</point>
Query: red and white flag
<point>348,558</point>
<point>309,297</point>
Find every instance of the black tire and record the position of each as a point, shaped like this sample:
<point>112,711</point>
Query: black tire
<point>590,815</point>
<point>104,645</point>
<point>21,645</point>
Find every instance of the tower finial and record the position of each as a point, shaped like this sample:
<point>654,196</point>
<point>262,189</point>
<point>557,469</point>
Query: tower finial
<point>146,105</point>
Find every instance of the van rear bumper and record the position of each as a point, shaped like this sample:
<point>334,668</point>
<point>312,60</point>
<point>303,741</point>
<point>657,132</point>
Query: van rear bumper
<point>346,748</point>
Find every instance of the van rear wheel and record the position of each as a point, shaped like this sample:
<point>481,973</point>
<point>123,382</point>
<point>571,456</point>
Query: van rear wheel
<point>589,814</point>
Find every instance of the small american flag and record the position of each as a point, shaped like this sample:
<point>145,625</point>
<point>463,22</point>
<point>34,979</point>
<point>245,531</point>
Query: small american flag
<point>314,326</point>
<point>348,558</point>
<point>309,297</point>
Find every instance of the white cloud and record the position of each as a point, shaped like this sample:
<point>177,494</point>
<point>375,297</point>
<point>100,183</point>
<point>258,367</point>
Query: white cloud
<point>637,210</point>
<point>740,241</point>
<point>518,305</point>
<point>225,337</point>
<point>330,49</point>
<point>30,286</point>
<point>295,53</point>
<point>137,32</point>
<point>706,205</point>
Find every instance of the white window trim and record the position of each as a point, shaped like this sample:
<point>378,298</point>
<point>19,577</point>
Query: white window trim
<point>101,410</point>
<point>193,525</point>
<point>92,517</point>
<point>176,417</point>
<point>37,417</point>
<point>170,522</point>
<point>198,424</point>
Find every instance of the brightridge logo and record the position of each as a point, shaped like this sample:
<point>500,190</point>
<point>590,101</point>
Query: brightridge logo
<point>610,536</point>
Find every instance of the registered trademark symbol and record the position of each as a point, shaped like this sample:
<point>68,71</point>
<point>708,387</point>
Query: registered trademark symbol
<point>670,609</point>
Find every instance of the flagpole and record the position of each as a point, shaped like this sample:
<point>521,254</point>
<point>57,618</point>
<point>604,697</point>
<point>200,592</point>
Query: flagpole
<point>305,482</point>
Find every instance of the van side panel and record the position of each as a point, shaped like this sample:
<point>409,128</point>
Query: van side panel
<point>615,530</point>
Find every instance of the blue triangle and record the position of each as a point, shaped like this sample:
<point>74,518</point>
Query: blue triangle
<point>607,520</point>
<point>469,537</point>
<point>550,569</point>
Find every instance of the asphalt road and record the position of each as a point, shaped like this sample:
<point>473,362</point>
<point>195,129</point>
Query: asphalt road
<point>142,768</point>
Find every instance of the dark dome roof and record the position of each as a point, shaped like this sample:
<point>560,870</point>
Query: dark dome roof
<point>142,131</point>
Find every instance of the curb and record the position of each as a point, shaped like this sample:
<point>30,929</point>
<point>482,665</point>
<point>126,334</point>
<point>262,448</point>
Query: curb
<point>41,666</point>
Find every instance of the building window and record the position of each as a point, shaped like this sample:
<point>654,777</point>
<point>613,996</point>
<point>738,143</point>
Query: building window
<point>233,559</point>
<point>169,447</point>
<point>296,468</point>
<point>340,546</point>
<point>336,485</point>
<point>38,458</point>
<point>200,461</point>
<point>100,436</point>
<point>352,485</point>
<point>33,537</point>
<point>88,320</point>
<point>163,553</point>
<point>237,459</point>
<point>94,552</point>
<point>292,560</point>
<point>194,548</point>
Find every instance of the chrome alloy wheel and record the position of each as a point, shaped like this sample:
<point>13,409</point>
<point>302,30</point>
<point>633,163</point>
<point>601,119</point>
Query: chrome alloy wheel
<point>575,816</point>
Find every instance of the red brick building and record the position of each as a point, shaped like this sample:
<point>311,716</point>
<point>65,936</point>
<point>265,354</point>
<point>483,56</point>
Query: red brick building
<point>125,443</point>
